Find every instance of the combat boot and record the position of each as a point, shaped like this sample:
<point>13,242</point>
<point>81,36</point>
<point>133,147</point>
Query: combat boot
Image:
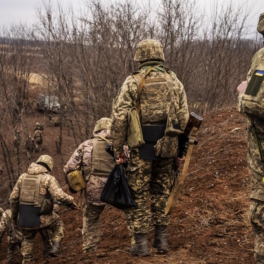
<point>160,239</point>
<point>55,249</point>
<point>140,248</point>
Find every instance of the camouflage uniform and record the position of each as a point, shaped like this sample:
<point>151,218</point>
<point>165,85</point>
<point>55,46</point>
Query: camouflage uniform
<point>17,141</point>
<point>30,147</point>
<point>38,137</point>
<point>14,235</point>
<point>253,109</point>
<point>92,206</point>
<point>48,186</point>
<point>157,102</point>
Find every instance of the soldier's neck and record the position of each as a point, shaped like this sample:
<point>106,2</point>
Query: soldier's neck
<point>149,63</point>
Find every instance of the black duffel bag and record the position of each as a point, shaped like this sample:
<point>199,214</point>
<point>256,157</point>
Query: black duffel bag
<point>117,191</point>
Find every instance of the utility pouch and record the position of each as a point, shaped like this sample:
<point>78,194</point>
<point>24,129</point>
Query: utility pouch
<point>46,207</point>
<point>167,146</point>
<point>134,132</point>
<point>255,83</point>
<point>76,180</point>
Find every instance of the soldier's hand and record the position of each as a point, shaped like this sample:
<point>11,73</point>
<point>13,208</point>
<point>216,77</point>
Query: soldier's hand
<point>121,159</point>
<point>180,161</point>
<point>242,87</point>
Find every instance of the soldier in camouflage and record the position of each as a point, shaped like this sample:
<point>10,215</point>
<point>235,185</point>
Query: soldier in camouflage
<point>30,147</point>
<point>27,198</point>
<point>38,137</point>
<point>250,104</point>
<point>17,141</point>
<point>14,235</point>
<point>162,98</point>
<point>87,158</point>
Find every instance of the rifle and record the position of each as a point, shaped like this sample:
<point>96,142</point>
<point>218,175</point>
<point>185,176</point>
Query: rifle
<point>186,140</point>
<point>68,206</point>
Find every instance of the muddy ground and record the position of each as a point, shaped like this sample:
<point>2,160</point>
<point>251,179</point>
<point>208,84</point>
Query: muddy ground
<point>210,223</point>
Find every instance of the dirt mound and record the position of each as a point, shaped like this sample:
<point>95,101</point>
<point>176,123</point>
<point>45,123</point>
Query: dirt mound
<point>210,223</point>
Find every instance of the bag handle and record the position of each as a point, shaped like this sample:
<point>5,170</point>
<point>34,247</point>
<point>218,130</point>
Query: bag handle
<point>141,87</point>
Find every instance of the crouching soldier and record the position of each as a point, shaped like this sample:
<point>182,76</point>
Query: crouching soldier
<point>14,235</point>
<point>93,164</point>
<point>30,193</point>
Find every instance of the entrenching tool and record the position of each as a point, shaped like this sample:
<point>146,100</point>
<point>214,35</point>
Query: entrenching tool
<point>191,129</point>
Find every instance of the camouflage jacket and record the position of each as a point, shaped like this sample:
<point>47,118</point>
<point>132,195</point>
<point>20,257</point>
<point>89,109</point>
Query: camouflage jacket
<point>17,140</point>
<point>127,98</point>
<point>82,159</point>
<point>30,145</point>
<point>257,120</point>
<point>14,235</point>
<point>38,135</point>
<point>48,185</point>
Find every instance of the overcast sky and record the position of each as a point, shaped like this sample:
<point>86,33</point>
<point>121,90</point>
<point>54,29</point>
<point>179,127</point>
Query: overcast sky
<point>16,11</point>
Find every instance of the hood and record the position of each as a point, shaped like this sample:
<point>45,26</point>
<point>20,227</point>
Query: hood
<point>35,169</point>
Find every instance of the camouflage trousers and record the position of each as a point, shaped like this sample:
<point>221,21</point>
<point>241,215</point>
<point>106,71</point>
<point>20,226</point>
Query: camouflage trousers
<point>38,147</point>
<point>29,155</point>
<point>91,227</point>
<point>257,222</point>
<point>27,247</point>
<point>11,252</point>
<point>148,177</point>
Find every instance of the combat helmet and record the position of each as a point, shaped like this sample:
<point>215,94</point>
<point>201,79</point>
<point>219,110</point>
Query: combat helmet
<point>149,49</point>
<point>103,123</point>
<point>46,160</point>
<point>261,24</point>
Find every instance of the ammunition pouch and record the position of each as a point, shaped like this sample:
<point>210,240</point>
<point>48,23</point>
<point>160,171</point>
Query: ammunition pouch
<point>166,147</point>
<point>29,216</point>
<point>134,131</point>
<point>76,180</point>
<point>151,134</point>
<point>46,207</point>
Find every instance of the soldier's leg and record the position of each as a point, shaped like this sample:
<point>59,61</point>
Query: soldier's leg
<point>138,176</point>
<point>27,245</point>
<point>44,232</point>
<point>11,253</point>
<point>91,226</point>
<point>160,186</point>
<point>57,236</point>
<point>257,222</point>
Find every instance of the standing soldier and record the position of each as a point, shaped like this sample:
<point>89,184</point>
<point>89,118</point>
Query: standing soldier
<point>38,137</point>
<point>14,235</point>
<point>160,100</point>
<point>30,147</point>
<point>87,159</point>
<point>29,198</point>
<point>17,141</point>
<point>250,104</point>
